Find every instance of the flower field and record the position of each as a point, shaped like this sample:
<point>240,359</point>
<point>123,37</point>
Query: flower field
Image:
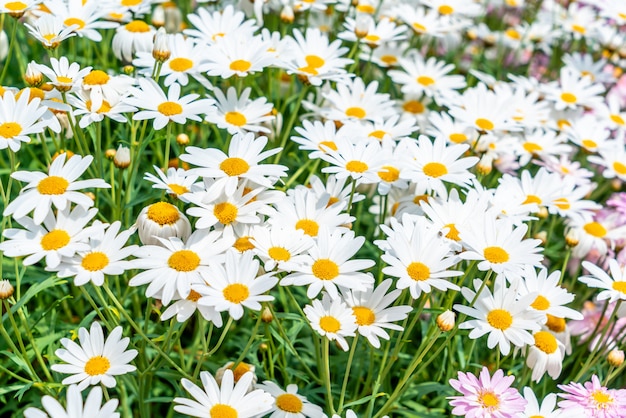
<point>313,208</point>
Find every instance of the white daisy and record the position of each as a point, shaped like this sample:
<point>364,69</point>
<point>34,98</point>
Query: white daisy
<point>176,181</point>
<point>239,56</point>
<point>63,75</point>
<point>211,27</point>
<point>50,30</point>
<point>288,404</point>
<point>276,246</point>
<point>75,408</point>
<point>162,220</point>
<point>240,114</point>
<point>545,355</point>
<point>613,286</point>
<point>184,308</point>
<point>332,319</point>
<point>20,117</point>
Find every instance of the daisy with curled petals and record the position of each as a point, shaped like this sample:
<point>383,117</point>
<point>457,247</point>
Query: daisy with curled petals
<point>59,187</point>
<point>500,246</point>
<point>239,56</point>
<point>59,236</point>
<point>245,152</point>
<point>545,410</point>
<point>485,395</point>
<point>176,181</point>
<point>50,30</point>
<point>20,117</point>
<point>176,265</point>
<point>591,399</point>
<point>332,319</point>
<point>95,360</point>
<point>229,399</point>
<point>276,246</point>
<point>240,114</point>
<point>329,265</point>
<point>106,256</point>
<point>362,161</point>
<point>63,75</point>
<point>502,315</point>
<point>161,219</point>
<point>288,404</point>
<point>165,108</point>
<point>74,406</point>
<point>545,355</point>
<point>430,164</point>
<point>613,286</point>
<point>373,314</point>
<point>234,285</point>
<point>131,38</point>
<point>420,261</point>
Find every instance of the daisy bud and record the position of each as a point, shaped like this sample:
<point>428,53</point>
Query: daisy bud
<point>33,76</point>
<point>161,50</point>
<point>542,236</point>
<point>287,15</point>
<point>572,238</point>
<point>266,315</point>
<point>446,320</point>
<point>616,184</point>
<point>158,16</point>
<point>241,369</point>
<point>6,291</point>
<point>173,18</point>
<point>362,25</point>
<point>182,139</point>
<point>122,157</point>
<point>616,358</point>
<point>543,212</point>
<point>162,220</point>
<point>128,69</point>
<point>485,165</point>
<point>109,154</point>
<point>68,154</point>
<point>91,195</point>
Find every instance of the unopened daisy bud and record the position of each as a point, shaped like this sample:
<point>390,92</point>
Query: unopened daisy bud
<point>122,157</point>
<point>615,358</point>
<point>287,15</point>
<point>162,220</point>
<point>485,165</point>
<point>6,290</point>
<point>542,236</point>
<point>362,25</point>
<point>91,195</point>
<point>128,69</point>
<point>182,139</point>
<point>68,154</point>
<point>543,212</point>
<point>263,347</point>
<point>616,184</point>
<point>446,320</point>
<point>266,315</point>
<point>572,238</point>
<point>161,50</point>
<point>241,369</point>
<point>173,18</point>
<point>33,76</point>
<point>109,154</point>
<point>158,16</point>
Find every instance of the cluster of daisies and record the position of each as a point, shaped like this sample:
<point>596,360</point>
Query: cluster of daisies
<point>468,179</point>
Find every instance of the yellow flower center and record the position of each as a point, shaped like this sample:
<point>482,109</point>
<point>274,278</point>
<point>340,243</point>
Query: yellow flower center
<point>95,261</point>
<point>356,112</point>
<point>569,98</point>
<point>236,292</point>
<point>532,147</point>
<point>289,403</point>
<point>435,169</point>
<point>418,27</point>
<point>540,303</point>
<point>364,315</point>
<point>55,239</point>
<point>10,129</point>
<point>180,64</point>
<point>241,369</point>
<point>235,118</point>
<point>555,324</point>
<point>618,120</point>
<point>243,244</point>
<point>130,3</point>
<point>64,80</point>
<point>545,342</point>
<point>240,65</point>
<point>74,21</point>
<point>458,138</point>
<point>15,6</point>
<point>378,134</point>
<point>372,38</point>
<point>489,400</point>
<point>601,397</point>
<point>531,198</point>
<point>579,28</point>
<point>562,203</point>
<point>496,255</point>
<point>104,107</point>
<point>500,319</point>
<point>595,229</point>
<point>163,213</point>
<point>413,106</point>
<point>425,81</point>
<point>617,166</point>
<point>355,166</point>
<point>325,269</point>
<point>221,410</point>
<point>389,59</point>
<point>588,143</point>
<point>453,232</point>
<point>53,185</point>
<point>234,166</point>
<point>314,61</point>
<point>183,260</point>
<point>97,365</point>
<point>279,254</point>
<point>96,77</point>
<point>308,226</point>
<point>369,9</point>
<point>330,324</point>
<point>225,212</point>
<point>327,144</point>
<point>389,174</point>
<point>177,188</point>
<point>193,296</point>
<point>513,34</point>
<point>484,124</point>
<point>619,286</point>
<point>170,108</point>
<point>418,271</point>
<point>138,26</point>
<point>444,9</point>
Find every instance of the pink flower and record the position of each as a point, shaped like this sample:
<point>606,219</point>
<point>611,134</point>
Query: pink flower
<point>593,400</point>
<point>592,314</point>
<point>486,396</point>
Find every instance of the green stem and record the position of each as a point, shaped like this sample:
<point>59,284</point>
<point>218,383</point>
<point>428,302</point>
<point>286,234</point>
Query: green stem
<point>327,382</point>
<point>12,43</point>
<point>347,374</point>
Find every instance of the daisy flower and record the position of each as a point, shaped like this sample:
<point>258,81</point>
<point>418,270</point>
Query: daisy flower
<point>316,137</point>
<point>486,396</point>
<point>102,86</point>
<point>276,246</point>
<point>226,400</point>
<point>354,101</point>
<point>533,409</point>
<point>59,236</point>
<point>574,91</point>
<point>162,220</point>
<point>59,187</point>
<point>238,56</point>
<point>83,18</point>
<point>612,158</point>
<point>184,308</point>
<point>545,355</point>
<point>176,181</point>
<point>332,319</point>
<point>362,161</point>
<point>75,408</point>
<point>378,33</point>
<point>20,117</point>
<point>234,285</point>
<point>240,114</point>
<point>594,233</point>
<point>337,189</point>
<point>329,265</point>
<point>373,314</point>
<point>131,38</point>
<point>176,265</point>
<point>593,400</point>
<point>245,152</point>
<point>95,110</point>
<point>288,404</point>
<point>502,315</point>
<point>95,360</point>
<point>165,108</point>
<point>50,30</point>
<point>63,75</point>
<point>211,27</point>
<point>17,9</point>
<point>613,286</point>
<point>105,256</point>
